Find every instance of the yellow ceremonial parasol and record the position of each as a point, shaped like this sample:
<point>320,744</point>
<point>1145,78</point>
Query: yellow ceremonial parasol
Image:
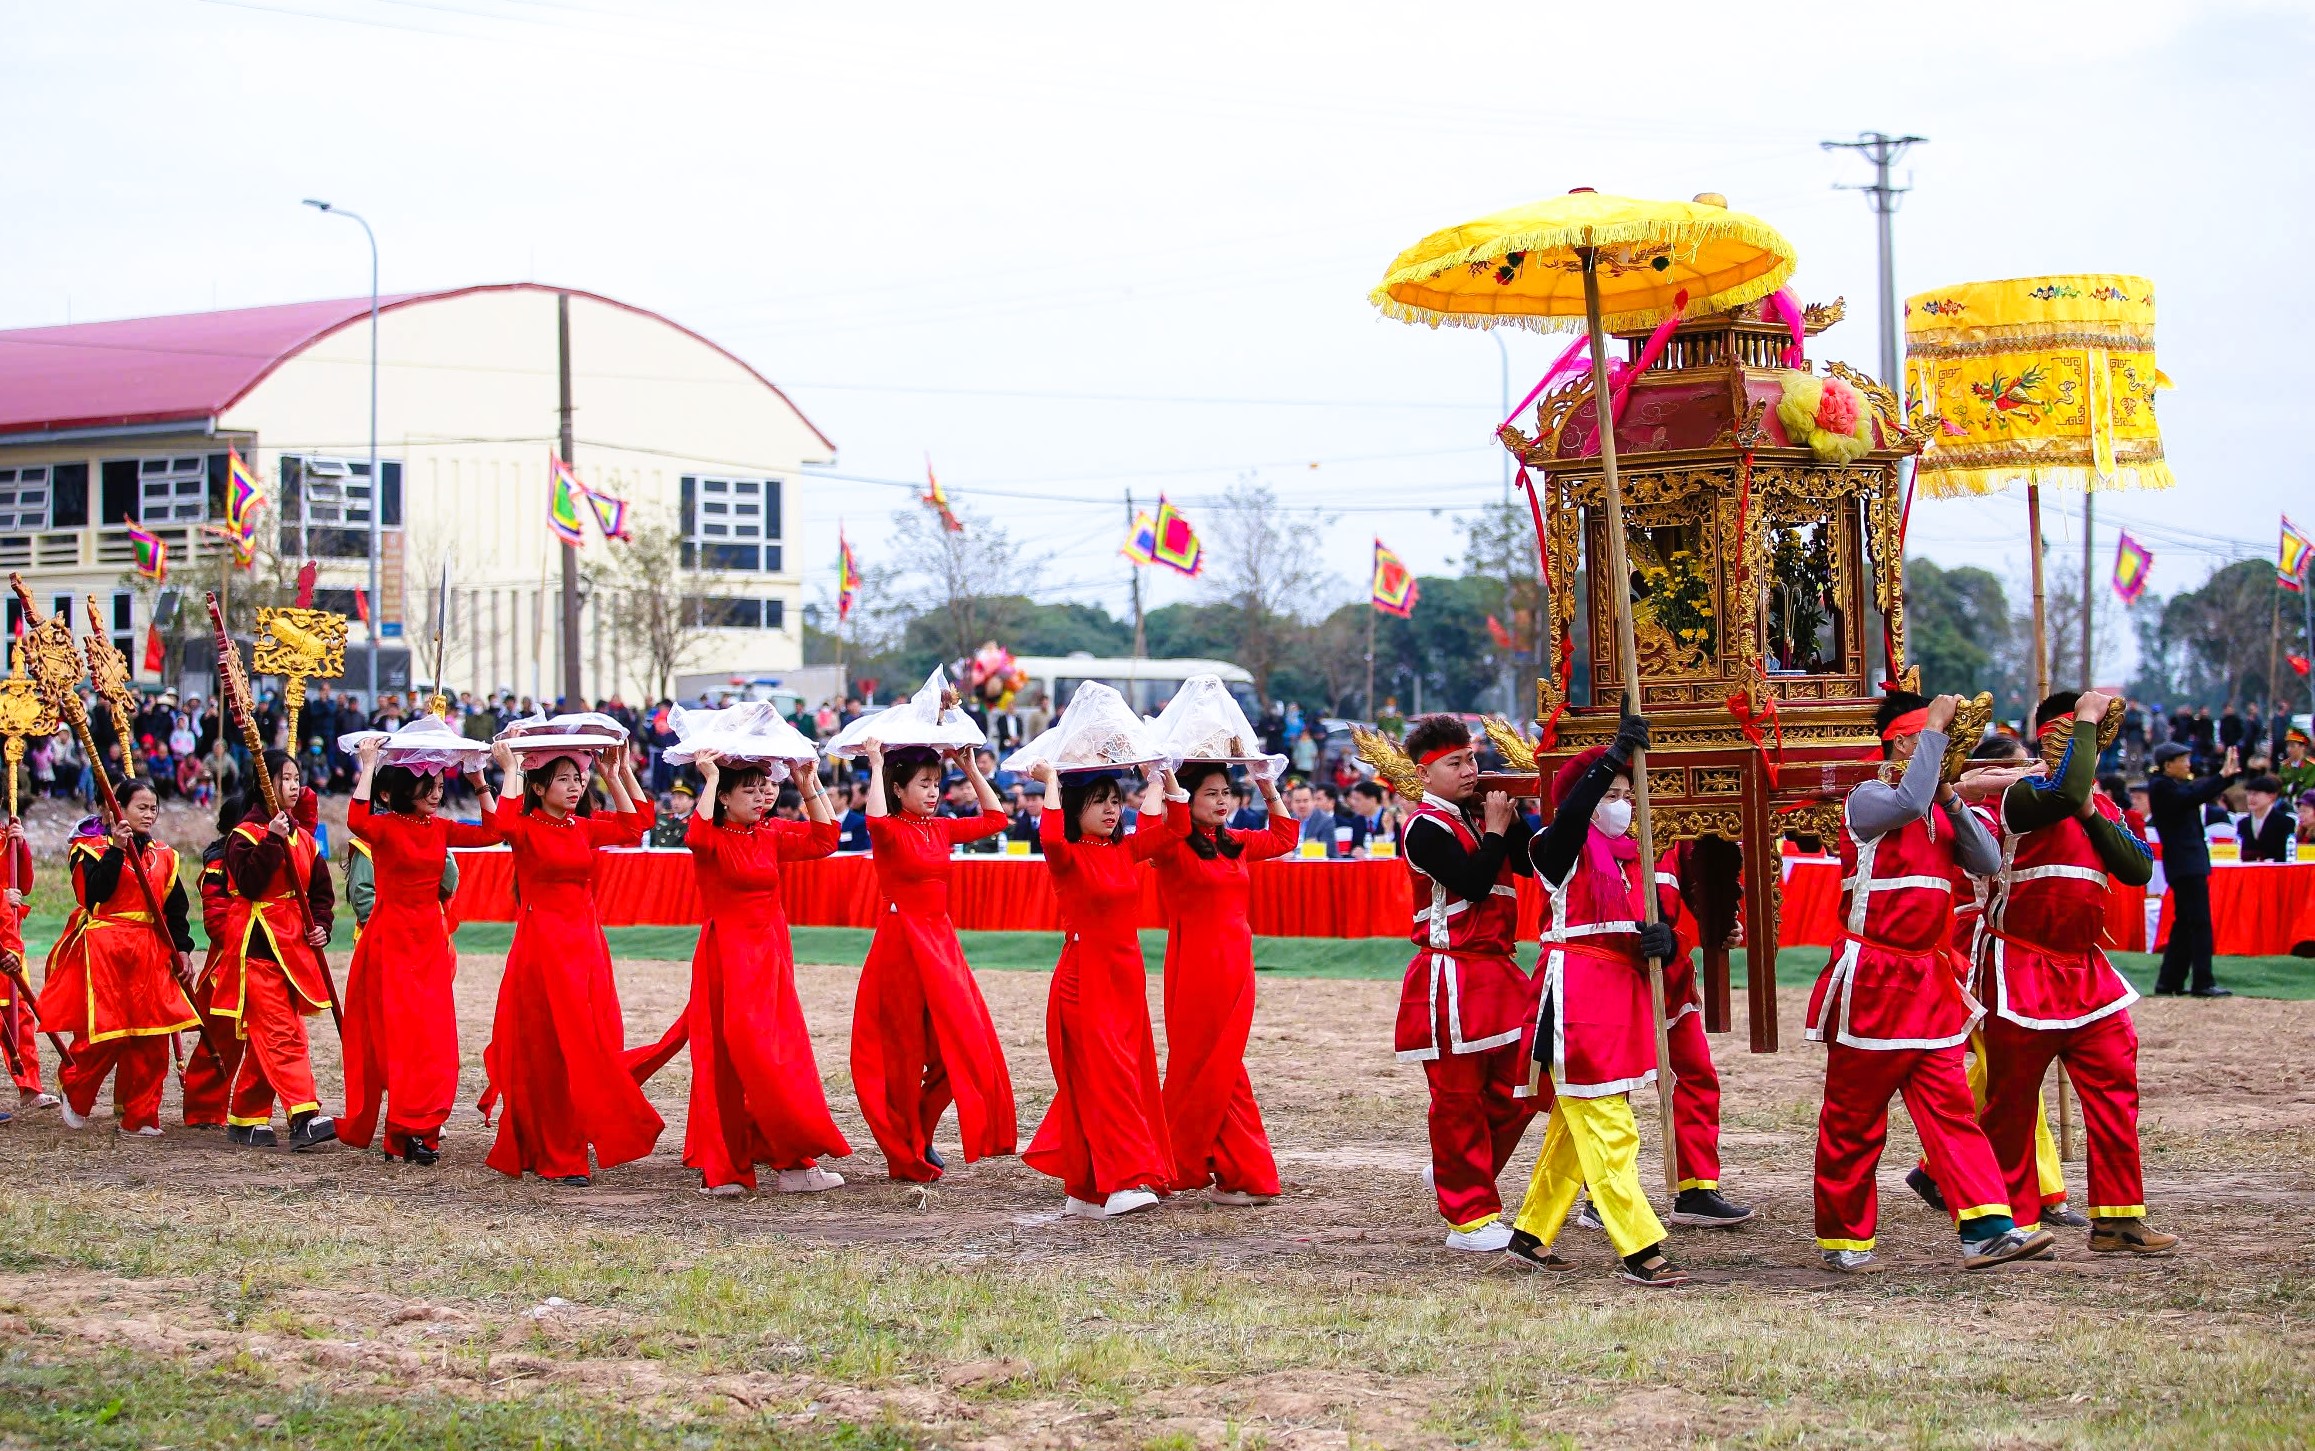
<point>1592,261</point>
<point>2036,380</point>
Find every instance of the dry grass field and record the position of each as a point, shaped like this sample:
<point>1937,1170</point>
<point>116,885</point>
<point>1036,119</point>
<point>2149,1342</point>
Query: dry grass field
<point>176,1292</point>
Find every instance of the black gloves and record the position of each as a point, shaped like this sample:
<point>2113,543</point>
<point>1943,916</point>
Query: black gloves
<point>1631,736</point>
<point>1657,941</point>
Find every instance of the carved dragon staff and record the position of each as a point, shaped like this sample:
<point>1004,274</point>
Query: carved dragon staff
<point>108,671</point>
<point>22,713</point>
<point>55,664</point>
<point>233,690</point>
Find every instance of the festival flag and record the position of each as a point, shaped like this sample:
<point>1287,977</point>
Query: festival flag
<point>1395,590</point>
<point>1174,543</point>
<point>847,577</point>
<point>2298,663</point>
<point>610,513</point>
<point>362,605</point>
<point>243,498</point>
<point>1141,545</point>
<point>152,552</point>
<point>2291,557</point>
<point>2132,560</point>
<point>1498,634</point>
<point>936,499</point>
<point>563,494</point>
<point>156,654</point>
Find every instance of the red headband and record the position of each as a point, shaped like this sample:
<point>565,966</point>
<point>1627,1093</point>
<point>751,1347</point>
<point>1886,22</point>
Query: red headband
<point>1907,724</point>
<point>1437,751</point>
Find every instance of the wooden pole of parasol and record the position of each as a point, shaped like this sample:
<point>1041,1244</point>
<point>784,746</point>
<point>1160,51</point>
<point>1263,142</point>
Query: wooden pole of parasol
<point>2041,678</point>
<point>1619,590</point>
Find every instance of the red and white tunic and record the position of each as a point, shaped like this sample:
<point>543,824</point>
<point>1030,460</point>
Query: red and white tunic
<point>2038,958</point>
<point>1463,993</point>
<point>1594,1004</point>
<point>1889,985</point>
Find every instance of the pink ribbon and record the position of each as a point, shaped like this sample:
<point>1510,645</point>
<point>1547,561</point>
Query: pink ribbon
<point>1570,361</point>
<point>1649,353</point>
<point>1783,305</point>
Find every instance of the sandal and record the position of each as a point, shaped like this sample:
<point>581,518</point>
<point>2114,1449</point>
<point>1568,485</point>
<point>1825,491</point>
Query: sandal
<point>1655,1272</point>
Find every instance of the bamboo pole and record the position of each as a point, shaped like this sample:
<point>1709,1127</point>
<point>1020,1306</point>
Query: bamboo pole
<point>1620,591</point>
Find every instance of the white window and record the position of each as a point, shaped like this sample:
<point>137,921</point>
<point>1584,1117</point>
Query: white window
<point>24,498</point>
<point>172,490</point>
<point>731,524</point>
<point>335,491</point>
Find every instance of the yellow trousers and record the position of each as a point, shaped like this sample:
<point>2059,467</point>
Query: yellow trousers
<point>2046,1165</point>
<point>1591,1143</point>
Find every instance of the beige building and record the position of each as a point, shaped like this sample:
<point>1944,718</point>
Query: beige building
<point>103,423</point>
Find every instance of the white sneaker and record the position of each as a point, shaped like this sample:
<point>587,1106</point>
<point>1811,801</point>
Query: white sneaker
<point>1487,1238</point>
<point>807,1181</point>
<point>1584,1216</point>
<point>72,1120</point>
<point>1128,1201</point>
<point>1218,1195</point>
<point>723,1191</point>
<point>1430,1179</point>
<point>149,1131</point>
<point>1853,1261</point>
<point>38,1101</point>
<point>1075,1208</point>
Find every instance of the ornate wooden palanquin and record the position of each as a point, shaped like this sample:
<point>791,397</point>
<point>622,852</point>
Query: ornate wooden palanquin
<point>1755,566</point>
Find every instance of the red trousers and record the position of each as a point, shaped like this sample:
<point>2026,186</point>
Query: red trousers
<point>275,1062</point>
<point>2102,1059</point>
<point>27,1074</point>
<point>140,1067</point>
<point>1695,1104</point>
<point>209,1081</point>
<point>1853,1127</point>
<point>1476,1124</point>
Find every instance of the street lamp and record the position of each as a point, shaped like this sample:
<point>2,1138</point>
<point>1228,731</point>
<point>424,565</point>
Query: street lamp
<point>377,482</point>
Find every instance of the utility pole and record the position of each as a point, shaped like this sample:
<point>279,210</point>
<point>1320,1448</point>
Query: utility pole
<point>571,692</point>
<point>1133,567</point>
<point>1882,150</point>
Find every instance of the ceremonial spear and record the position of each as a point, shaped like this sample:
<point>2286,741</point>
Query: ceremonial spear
<point>233,691</point>
<point>56,670</point>
<point>22,713</point>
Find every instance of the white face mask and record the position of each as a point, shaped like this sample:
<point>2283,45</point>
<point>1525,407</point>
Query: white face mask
<point>1613,818</point>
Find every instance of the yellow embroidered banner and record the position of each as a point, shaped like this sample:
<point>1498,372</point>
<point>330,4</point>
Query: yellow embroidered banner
<point>2041,380</point>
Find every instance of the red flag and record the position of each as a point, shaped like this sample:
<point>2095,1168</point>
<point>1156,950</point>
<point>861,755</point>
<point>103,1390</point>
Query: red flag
<point>1498,634</point>
<point>362,604</point>
<point>155,657</point>
<point>2299,663</point>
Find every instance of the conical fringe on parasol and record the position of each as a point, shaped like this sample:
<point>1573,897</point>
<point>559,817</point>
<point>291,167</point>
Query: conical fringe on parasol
<point>1405,293</point>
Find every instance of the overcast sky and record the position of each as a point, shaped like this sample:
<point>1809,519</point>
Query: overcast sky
<point>1076,250</point>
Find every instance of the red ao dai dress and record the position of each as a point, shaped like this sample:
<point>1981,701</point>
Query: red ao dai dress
<point>556,1044</point>
<point>1105,1130</point>
<point>1210,1111</point>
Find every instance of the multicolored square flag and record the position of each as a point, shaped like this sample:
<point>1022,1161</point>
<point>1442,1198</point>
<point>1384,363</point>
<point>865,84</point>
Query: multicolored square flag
<point>610,514</point>
<point>564,491</point>
<point>1141,545</point>
<point>1395,589</point>
<point>1175,544</point>
<point>152,552</point>
<point>847,577</point>
<point>2291,557</point>
<point>2132,560</point>
<point>243,498</point>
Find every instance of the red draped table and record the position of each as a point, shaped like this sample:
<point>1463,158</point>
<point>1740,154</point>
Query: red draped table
<point>2258,909</point>
<point>1811,916</point>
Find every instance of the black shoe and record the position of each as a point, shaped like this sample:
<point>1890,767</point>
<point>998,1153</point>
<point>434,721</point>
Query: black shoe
<point>1650,1268</point>
<point>2060,1216</point>
<point>932,1157</point>
<point>1528,1253</point>
<point>1917,1179</point>
<point>419,1152</point>
<point>310,1131</point>
<point>1705,1209</point>
<point>2169,992</point>
<point>252,1136</point>
<point>575,1181</point>
<point>2212,992</point>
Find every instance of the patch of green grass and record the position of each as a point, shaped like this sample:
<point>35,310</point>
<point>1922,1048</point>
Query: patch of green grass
<point>126,1400</point>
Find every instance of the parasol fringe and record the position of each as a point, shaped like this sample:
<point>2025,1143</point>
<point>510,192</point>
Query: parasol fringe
<point>1748,230</point>
<point>1937,483</point>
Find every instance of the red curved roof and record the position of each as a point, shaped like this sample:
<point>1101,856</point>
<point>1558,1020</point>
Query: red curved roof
<point>195,365</point>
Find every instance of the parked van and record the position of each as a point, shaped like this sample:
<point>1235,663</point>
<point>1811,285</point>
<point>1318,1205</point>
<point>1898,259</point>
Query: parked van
<point>1146,684</point>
